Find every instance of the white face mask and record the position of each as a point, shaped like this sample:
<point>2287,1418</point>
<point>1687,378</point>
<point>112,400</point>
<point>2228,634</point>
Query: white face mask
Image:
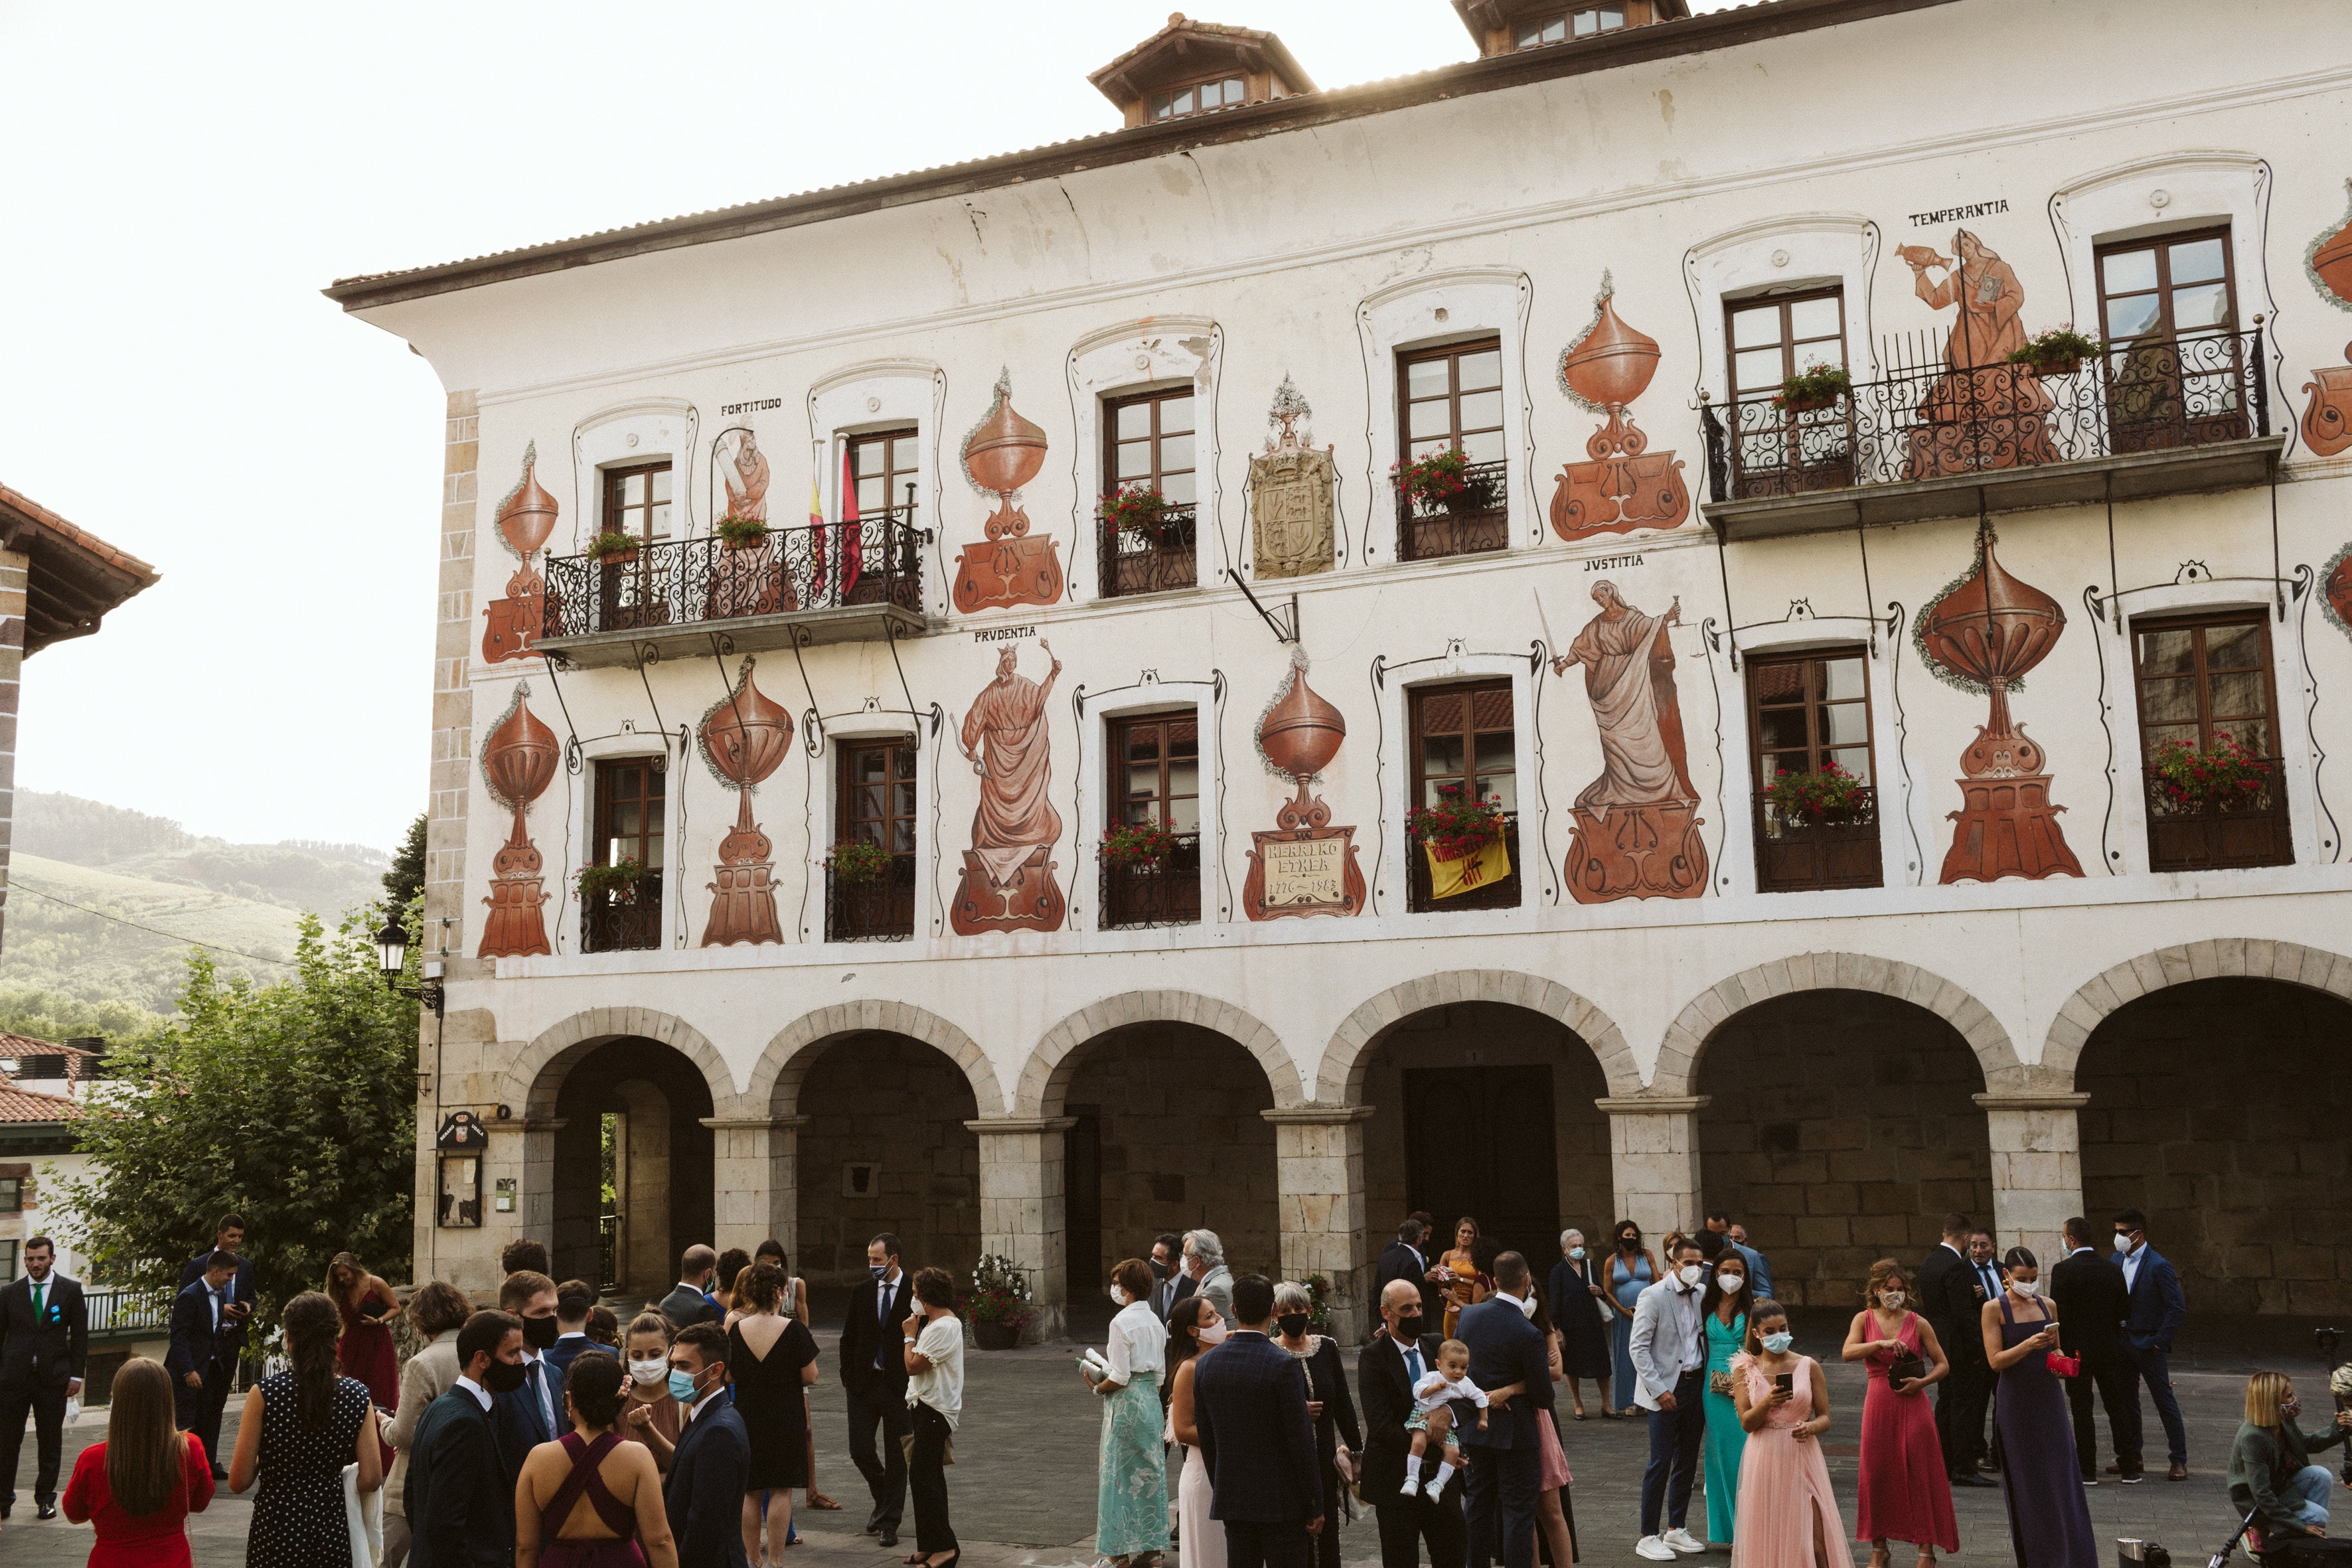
<point>1731,1283</point>
<point>2024,1287</point>
<point>649,1371</point>
<point>1691,1273</point>
<point>1212,1333</point>
<point>1119,1294</point>
<point>2123,1242</point>
<point>1890,1300</point>
<point>1527,1305</point>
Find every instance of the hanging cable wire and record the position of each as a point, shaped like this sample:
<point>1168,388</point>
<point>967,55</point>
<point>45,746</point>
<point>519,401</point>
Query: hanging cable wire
<point>18,882</point>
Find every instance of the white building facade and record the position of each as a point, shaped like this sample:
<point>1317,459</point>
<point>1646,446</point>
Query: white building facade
<point>2003,970</point>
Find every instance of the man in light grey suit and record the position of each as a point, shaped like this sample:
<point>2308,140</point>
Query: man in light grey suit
<point>1204,1262</point>
<point>1669,1348</point>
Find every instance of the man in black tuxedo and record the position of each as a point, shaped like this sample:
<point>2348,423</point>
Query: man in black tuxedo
<point>873,1382</point>
<point>711,1468</point>
<point>237,1309</point>
<point>1399,1356</point>
<point>2088,1292</point>
<point>1249,1401</point>
<point>688,1302</point>
<point>200,1365</point>
<point>574,1300</point>
<point>1167,1254</point>
<point>460,1503</point>
<point>44,1339</point>
<point>531,1413</point>
<point>1403,1259</point>
<point>1507,1458</point>
<point>1949,1300</point>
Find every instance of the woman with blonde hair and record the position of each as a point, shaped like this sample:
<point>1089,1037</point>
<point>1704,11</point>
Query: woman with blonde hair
<point>1903,1492</point>
<point>366,1306</point>
<point>2270,1473</point>
<point>138,1486</point>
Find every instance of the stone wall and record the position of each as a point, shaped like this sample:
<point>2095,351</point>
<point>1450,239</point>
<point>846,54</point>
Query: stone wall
<point>668,1202</point>
<point>1840,1128</point>
<point>900,1107</point>
<point>2220,1109</point>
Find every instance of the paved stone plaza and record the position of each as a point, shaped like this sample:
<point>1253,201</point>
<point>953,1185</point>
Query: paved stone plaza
<point>1023,1489</point>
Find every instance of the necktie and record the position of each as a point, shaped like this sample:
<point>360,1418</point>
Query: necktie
<point>1412,1362</point>
<point>37,1288</point>
<point>538,1395</point>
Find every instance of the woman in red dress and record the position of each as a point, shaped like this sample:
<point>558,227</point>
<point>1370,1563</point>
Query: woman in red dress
<point>1903,1493</point>
<point>366,1350</point>
<point>138,1485</point>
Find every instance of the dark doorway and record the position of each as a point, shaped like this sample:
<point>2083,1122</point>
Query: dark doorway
<point>1082,1210</point>
<point>1481,1142</point>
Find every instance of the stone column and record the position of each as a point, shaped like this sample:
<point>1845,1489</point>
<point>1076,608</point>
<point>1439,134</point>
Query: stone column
<point>521,1150</point>
<point>1023,1214</point>
<point>1320,1170</point>
<point>755,1167</point>
<point>1653,1159</point>
<point>2037,1167</point>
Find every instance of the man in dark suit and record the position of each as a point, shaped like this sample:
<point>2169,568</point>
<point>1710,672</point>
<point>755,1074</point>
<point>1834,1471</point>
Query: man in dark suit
<point>2157,1308</point>
<point>1507,1458</point>
<point>574,1300</point>
<point>873,1382</point>
<point>1249,1401</point>
<point>2088,1292</point>
<point>1167,1253</point>
<point>43,1339</point>
<point>1403,1259</point>
<point>712,1465</point>
<point>200,1364</point>
<point>236,1310</point>
<point>1399,1356</point>
<point>689,1302</point>
<point>460,1502</point>
<point>532,1414</point>
<point>1949,1300</point>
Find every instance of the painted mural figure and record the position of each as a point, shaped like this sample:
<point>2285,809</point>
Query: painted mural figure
<point>1008,882</point>
<point>747,485</point>
<point>1636,834</point>
<point>1983,411</point>
<point>747,579</point>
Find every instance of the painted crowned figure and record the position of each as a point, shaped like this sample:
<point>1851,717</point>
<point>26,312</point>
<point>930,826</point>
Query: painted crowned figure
<point>1636,834</point>
<point>1012,833</point>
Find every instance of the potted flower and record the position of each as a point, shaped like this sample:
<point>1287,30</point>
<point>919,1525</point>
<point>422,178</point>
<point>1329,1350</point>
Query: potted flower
<point>2224,775</point>
<point>1818,385</point>
<point>740,532</point>
<point>998,1304</point>
<point>2061,351</point>
<point>616,884</point>
<point>1138,509</point>
<point>857,863</point>
<point>613,548</point>
<point>1443,480</point>
<point>1458,826</point>
<point>1818,797</point>
<point>1146,846</point>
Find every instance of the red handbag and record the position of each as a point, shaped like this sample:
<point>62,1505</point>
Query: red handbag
<point>2065,1365</point>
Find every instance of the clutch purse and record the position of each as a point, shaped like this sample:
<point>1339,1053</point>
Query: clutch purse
<point>2063,1365</point>
<point>1907,1368</point>
<point>1719,1382</point>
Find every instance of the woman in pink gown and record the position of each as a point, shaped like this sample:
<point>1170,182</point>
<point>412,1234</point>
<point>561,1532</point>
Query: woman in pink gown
<point>1903,1492</point>
<point>1788,1515</point>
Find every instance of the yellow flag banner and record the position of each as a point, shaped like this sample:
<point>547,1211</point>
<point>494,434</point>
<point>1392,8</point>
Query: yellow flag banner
<point>1451,878</point>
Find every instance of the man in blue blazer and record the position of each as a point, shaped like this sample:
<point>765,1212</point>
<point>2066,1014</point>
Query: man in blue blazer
<point>2158,1310</point>
<point>229,1236</point>
<point>200,1361</point>
<point>532,1414</point>
<point>1249,1400</point>
<point>1507,1458</point>
<point>460,1503</point>
<point>711,1468</point>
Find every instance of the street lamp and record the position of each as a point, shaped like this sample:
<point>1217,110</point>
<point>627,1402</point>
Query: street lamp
<point>392,956</point>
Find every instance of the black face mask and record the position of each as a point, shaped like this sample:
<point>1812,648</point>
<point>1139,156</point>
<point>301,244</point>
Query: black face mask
<point>1628,1243</point>
<point>1408,1330</point>
<point>540,1332</point>
<point>1159,1270</point>
<point>505,1376</point>
<point>1293,1323</point>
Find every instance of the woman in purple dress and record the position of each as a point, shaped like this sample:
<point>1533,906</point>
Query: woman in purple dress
<point>2049,1525</point>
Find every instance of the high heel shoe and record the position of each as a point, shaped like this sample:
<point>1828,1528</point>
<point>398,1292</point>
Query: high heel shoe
<point>954,1558</point>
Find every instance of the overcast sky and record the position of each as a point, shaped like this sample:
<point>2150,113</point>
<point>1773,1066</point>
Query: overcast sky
<point>176,183</point>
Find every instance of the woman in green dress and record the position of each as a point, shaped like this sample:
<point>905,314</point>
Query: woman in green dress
<point>1725,1314</point>
<point>1131,1501</point>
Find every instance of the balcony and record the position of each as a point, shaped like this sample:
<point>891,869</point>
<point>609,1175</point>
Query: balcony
<point>1151,560</point>
<point>2167,418</point>
<point>1796,855</point>
<point>624,921</point>
<point>1502,895</point>
<point>1137,897</point>
<point>1474,522</point>
<point>840,583</point>
<point>2219,839</point>
<point>879,910</point>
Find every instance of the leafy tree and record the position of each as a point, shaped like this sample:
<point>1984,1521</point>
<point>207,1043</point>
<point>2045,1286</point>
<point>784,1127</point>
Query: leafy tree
<point>293,1103</point>
<point>405,883</point>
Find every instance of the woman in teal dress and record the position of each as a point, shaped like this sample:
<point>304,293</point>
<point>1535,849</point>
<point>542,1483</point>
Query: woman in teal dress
<point>1726,1309</point>
<point>1627,1273</point>
<point>1131,1501</point>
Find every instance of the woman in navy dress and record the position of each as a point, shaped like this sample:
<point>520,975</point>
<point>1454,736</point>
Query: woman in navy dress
<point>2049,1524</point>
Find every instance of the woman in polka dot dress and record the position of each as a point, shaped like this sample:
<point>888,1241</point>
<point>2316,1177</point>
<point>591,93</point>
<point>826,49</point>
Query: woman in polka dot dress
<point>300,1427</point>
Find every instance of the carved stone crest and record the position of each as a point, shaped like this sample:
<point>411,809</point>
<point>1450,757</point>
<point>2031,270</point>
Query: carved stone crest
<point>1291,495</point>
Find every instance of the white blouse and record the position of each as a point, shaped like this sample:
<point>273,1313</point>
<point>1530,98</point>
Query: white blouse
<point>1139,1343</point>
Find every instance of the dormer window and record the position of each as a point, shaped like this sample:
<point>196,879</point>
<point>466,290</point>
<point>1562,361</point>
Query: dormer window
<point>1537,31</point>
<point>1199,97</point>
<point>1505,26</point>
<point>1191,67</point>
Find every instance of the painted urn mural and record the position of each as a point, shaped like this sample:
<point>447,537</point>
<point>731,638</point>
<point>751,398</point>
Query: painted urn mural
<point>526,517</point>
<point>1010,566</point>
<point>1007,883</point>
<point>1982,635</point>
<point>2327,422</point>
<point>1306,867</point>
<point>744,736</point>
<point>518,763</point>
<point>1637,824</point>
<point>1624,485</point>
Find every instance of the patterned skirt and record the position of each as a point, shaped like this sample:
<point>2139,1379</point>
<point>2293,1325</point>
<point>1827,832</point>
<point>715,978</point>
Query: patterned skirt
<point>1131,1508</point>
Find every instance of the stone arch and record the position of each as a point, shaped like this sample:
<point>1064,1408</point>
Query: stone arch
<point>1048,1071</point>
<point>1687,1035</point>
<point>536,1074</point>
<point>784,1066</point>
<point>1340,1079</point>
<point>2251,958</point>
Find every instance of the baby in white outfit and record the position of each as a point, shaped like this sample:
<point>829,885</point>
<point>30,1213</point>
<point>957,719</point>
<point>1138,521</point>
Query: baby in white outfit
<point>1431,1420</point>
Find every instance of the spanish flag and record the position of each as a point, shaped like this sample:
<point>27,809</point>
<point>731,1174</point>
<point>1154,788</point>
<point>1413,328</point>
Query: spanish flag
<point>852,533</point>
<point>1487,867</point>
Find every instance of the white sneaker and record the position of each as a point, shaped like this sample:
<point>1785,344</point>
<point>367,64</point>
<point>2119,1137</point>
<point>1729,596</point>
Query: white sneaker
<point>1682,1541</point>
<point>1653,1548</point>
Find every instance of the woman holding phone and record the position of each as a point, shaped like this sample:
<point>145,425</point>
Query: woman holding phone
<point>1787,1515</point>
<point>2040,1479</point>
<point>1903,1493</point>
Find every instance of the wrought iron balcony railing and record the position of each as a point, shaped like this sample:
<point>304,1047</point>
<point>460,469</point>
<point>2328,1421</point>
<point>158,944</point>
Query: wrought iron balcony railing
<point>1151,560</point>
<point>680,582</point>
<point>624,921</point>
<point>1796,855</point>
<point>608,1252</point>
<point>1503,894</point>
<point>1164,894</point>
<point>1931,422</point>
<point>879,910</point>
<point>1472,524</point>
<point>119,1311</point>
<point>2253,831</point>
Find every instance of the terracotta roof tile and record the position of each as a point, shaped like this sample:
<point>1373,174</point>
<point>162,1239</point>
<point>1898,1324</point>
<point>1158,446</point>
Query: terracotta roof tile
<point>22,1105</point>
<point>120,559</point>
